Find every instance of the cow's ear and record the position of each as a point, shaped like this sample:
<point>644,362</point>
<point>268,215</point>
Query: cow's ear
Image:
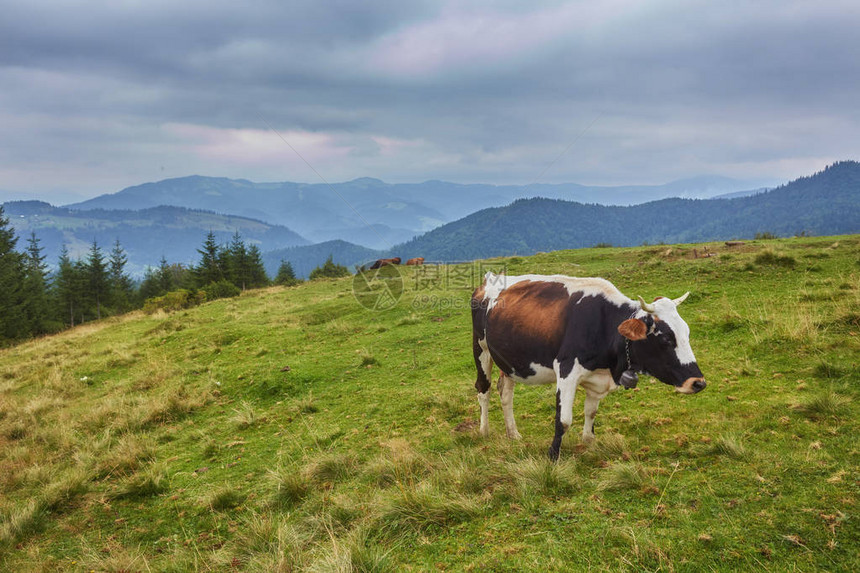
<point>633,329</point>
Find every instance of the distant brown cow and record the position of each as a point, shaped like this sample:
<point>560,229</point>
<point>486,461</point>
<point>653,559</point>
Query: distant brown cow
<point>415,261</point>
<point>382,262</point>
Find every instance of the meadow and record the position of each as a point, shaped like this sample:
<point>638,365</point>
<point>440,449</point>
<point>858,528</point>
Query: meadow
<point>293,429</point>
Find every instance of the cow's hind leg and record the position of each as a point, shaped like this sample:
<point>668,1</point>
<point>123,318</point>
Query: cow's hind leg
<point>484,364</point>
<point>506,395</point>
<point>592,401</point>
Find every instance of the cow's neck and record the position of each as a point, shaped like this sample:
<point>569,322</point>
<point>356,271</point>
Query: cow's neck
<point>624,359</point>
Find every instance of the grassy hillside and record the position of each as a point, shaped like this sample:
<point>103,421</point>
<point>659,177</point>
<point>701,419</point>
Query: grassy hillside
<point>293,430</point>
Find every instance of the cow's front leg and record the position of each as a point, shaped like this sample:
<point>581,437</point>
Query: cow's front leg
<point>592,401</point>
<point>506,396</point>
<point>565,391</point>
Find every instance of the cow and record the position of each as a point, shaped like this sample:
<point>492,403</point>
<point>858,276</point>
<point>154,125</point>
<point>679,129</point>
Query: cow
<point>415,261</point>
<point>542,329</point>
<point>382,262</point>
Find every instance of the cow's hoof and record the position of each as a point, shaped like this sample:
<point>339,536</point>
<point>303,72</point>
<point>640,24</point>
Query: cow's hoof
<point>553,454</point>
<point>515,435</point>
<point>588,439</point>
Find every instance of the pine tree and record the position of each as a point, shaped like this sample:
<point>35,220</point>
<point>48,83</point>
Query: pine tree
<point>286,275</point>
<point>165,277</point>
<point>150,286</point>
<point>329,269</point>
<point>256,269</point>
<point>13,318</point>
<point>120,284</point>
<point>209,270</point>
<point>97,278</point>
<point>236,263</point>
<point>36,303</point>
<point>66,287</point>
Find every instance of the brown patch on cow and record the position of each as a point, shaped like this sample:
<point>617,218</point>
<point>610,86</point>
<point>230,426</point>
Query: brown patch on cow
<point>415,261</point>
<point>535,308</point>
<point>658,298</point>
<point>633,329</point>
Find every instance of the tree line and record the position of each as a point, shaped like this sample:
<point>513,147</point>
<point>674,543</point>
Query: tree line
<point>35,300</point>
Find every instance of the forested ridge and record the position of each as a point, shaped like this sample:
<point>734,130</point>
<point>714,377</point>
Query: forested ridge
<point>827,203</point>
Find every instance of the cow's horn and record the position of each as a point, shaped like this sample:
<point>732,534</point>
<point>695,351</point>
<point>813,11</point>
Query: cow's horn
<point>646,307</point>
<point>681,299</point>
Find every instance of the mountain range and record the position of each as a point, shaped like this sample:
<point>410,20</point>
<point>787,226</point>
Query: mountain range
<point>373,213</point>
<point>146,234</point>
<point>827,203</point>
<point>360,220</point>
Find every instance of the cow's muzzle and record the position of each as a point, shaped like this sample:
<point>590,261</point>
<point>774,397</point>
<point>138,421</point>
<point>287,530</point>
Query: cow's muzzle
<point>692,386</point>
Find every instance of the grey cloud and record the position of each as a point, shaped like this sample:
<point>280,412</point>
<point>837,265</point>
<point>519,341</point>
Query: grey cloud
<point>482,91</point>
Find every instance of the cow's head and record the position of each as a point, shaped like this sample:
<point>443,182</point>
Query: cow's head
<point>660,345</point>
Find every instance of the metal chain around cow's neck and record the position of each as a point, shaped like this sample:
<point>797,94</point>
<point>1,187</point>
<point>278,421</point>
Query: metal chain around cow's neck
<point>627,344</point>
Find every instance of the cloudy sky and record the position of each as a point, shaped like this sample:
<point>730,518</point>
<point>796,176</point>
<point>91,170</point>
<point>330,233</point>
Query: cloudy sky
<point>98,95</point>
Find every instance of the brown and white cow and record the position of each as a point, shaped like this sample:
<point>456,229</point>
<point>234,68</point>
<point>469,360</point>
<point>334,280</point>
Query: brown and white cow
<point>383,262</point>
<point>415,261</point>
<point>575,332</point>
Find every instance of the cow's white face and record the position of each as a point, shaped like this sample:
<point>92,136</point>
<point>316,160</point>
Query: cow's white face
<point>667,311</point>
<point>662,345</point>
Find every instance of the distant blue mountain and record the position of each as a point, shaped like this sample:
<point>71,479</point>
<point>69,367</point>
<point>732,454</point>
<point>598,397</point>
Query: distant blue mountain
<point>305,258</point>
<point>371,212</point>
<point>146,235</point>
<point>826,203</point>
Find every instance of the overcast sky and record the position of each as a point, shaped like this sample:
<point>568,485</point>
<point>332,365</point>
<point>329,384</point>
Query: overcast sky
<point>99,95</point>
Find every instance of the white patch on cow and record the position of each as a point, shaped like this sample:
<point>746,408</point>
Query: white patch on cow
<point>667,311</point>
<point>485,358</point>
<point>589,286</point>
<point>542,375</point>
<point>599,382</point>
<point>567,390</point>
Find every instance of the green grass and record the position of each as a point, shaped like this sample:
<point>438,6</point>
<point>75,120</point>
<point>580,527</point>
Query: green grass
<point>294,430</point>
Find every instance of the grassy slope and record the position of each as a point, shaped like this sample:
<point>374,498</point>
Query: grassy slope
<point>176,442</point>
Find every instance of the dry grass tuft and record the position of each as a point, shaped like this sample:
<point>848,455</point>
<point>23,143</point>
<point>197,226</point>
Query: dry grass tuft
<point>823,405</point>
<point>727,445</point>
<point>271,544</point>
<point>149,482</point>
<point>353,553</point>
<point>332,468</point>
<point>21,522</point>
<point>401,464</point>
<point>625,476</point>
<point>127,456</point>
<point>291,486</point>
<point>542,477</point>
<point>245,415</point>
<point>609,446</point>
<point>424,507</point>
<point>61,493</point>
<point>225,498</point>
